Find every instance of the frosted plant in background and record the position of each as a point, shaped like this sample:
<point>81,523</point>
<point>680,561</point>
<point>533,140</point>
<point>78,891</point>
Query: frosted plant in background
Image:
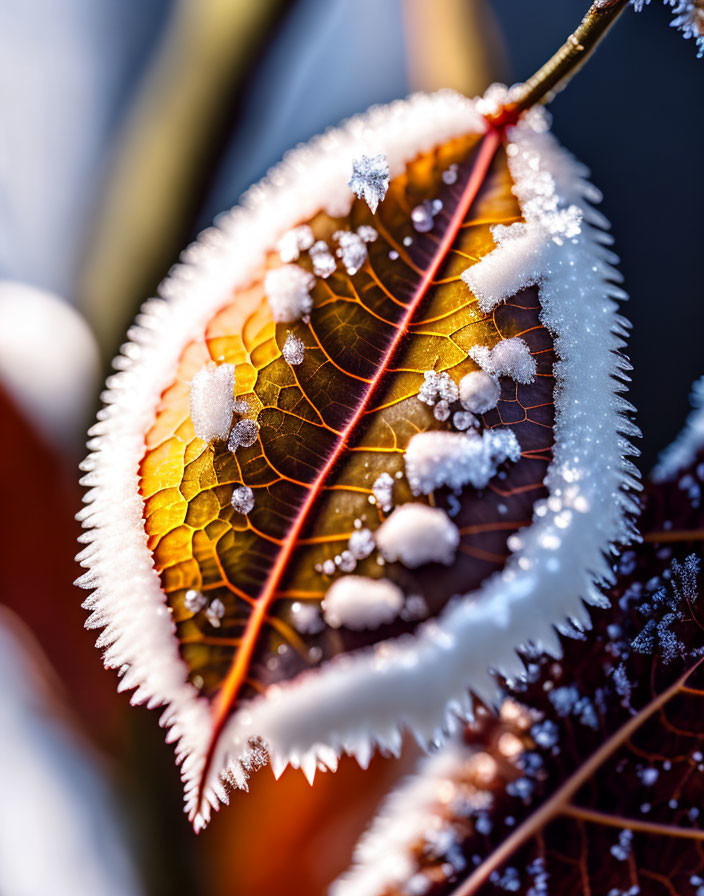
<point>687,17</point>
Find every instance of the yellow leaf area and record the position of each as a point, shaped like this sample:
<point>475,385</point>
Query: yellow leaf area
<point>351,400</point>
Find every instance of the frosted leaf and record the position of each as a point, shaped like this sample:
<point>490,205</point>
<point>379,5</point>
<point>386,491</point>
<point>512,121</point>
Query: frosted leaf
<point>367,233</point>
<point>294,242</point>
<point>419,680</point>
<point>215,612</point>
<point>688,17</point>
<point>361,543</point>
<point>454,459</point>
<point>294,350</point>
<point>416,534</point>
<point>212,401</point>
<point>244,434</point>
<point>288,290</point>
<point>306,617</point>
<point>243,499</point>
<point>324,263</point>
<point>370,179</point>
<point>383,491</point>
<point>358,603</point>
<point>479,392</point>
<point>194,601</point>
<point>352,250</point>
<point>510,357</point>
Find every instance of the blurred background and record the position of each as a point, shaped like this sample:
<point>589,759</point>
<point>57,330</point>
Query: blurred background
<point>125,127</point>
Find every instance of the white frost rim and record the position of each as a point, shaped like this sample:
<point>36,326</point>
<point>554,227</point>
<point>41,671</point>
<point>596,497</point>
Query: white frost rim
<point>382,857</point>
<point>417,682</point>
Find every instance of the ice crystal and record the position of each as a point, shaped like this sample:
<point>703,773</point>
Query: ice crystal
<point>449,175</point>
<point>441,411</point>
<point>510,357</point>
<point>370,179</point>
<point>479,392</point>
<point>324,263</point>
<point>306,618</point>
<point>352,250</point>
<point>416,534</point>
<point>243,499</point>
<point>195,601</point>
<point>244,434</point>
<point>294,242</point>
<point>288,290</point>
<point>361,543</point>
<point>434,459</point>
<point>215,612</point>
<point>212,401</point>
<point>358,602</point>
<point>422,216</point>
<point>294,350</point>
<point>622,850</point>
<point>462,420</point>
<point>438,387</point>
<point>367,233</point>
<point>383,491</point>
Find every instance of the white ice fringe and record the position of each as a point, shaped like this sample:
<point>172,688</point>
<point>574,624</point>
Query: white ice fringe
<point>689,442</point>
<point>383,858</point>
<point>420,682</point>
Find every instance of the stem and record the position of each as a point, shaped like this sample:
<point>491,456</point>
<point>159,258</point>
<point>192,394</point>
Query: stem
<point>558,71</point>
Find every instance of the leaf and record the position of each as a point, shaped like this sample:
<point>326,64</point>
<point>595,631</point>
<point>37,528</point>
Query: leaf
<point>598,788</point>
<point>210,567</point>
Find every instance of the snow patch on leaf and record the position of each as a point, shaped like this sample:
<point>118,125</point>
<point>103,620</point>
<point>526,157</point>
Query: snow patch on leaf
<point>434,458</point>
<point>213,401</point>
<point>358,602</point>
<point>510,357</point>
<point>416,534</point>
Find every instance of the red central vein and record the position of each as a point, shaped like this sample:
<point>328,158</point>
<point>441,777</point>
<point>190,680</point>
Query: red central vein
<point>238,672</point>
